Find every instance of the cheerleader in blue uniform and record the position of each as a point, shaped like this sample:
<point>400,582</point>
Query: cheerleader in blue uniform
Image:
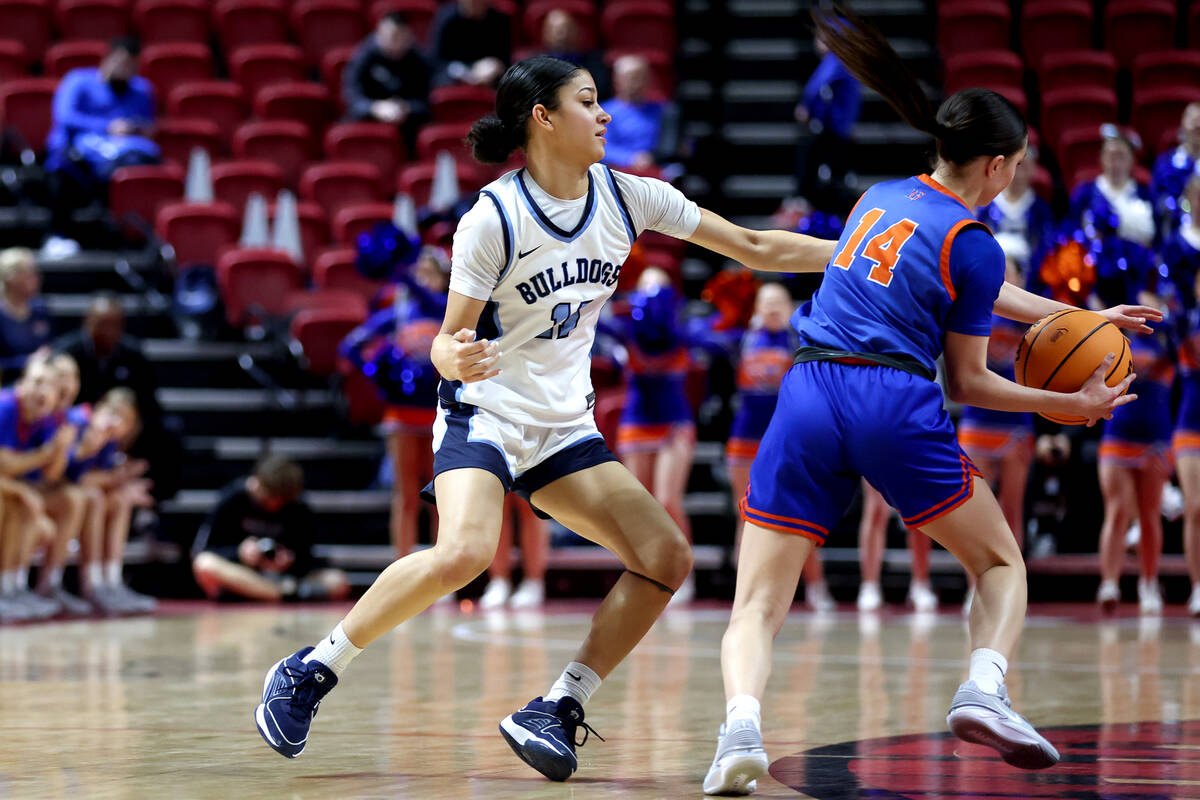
<point>1175,167</point>
<point>765,356</point>
<point>1180,251</point>
<point>1021,221</point>
<point>1180,256</point>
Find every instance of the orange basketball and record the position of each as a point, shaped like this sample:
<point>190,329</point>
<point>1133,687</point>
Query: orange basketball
<point>1060,352</point>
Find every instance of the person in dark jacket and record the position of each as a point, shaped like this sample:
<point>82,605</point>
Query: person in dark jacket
<point>388,78</point>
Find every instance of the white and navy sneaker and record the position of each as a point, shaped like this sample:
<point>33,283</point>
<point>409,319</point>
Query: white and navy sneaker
<point>987,718</point>
<point>291,693</point>
<point>740,760</point>
<point>543,735</point>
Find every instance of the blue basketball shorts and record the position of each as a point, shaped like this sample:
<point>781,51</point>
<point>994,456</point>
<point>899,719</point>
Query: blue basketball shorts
<point>836,422</point>
<point>525,458</point>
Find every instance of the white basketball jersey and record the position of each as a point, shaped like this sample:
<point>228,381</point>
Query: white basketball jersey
<point>547,299</point>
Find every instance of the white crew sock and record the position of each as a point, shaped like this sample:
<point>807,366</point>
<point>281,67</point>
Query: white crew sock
<point>334,651</point>
<point>93,576</point>
<point>8,581</point>
<point>578,681</point>
<point>54,577</point>
<point>112,574</point>
<point>987,669</point>
<point>23,579</point>
<point>744,706</point>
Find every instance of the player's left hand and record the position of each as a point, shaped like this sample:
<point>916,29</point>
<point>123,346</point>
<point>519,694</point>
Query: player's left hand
<point>1133,318</point>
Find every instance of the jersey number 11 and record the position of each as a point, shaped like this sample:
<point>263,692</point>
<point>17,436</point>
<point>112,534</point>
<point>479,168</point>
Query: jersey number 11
<point>563,321</point>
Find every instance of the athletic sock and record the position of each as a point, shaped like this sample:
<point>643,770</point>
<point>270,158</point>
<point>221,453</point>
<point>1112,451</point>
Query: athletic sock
<point>578,681</point>
<point>112,574</point>
<point>93,576</point>
<point>22,579</point>
<point>987,669</point>
<point>334,651</point>
<point>54,577</point>
<point>744,706</point>
<point>8,581</point>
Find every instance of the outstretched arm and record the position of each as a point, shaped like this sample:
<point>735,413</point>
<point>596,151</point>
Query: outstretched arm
<point>771,251</point>
<point>1017,304</point>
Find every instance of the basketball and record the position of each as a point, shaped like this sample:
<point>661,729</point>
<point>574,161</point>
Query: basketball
<point>1060,352</point>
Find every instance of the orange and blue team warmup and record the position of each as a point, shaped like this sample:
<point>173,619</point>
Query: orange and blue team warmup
<point>1186,441</point>
<point>1139,434</point>
<point>911,264</point>
<point>998,433</point>
<point>765,358</point>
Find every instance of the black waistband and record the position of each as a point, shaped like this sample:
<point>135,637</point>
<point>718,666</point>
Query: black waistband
<point>903,363</point>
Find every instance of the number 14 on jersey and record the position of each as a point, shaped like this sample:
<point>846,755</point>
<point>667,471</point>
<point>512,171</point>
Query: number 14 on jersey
<point>883,248</point>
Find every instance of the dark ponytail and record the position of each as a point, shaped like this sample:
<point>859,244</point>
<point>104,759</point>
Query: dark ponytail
<point>534,81</point>
<point>970,123</point>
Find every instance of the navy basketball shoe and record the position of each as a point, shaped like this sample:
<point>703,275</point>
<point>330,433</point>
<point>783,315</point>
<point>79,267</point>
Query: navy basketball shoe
<point>291,693</point>
<point>543,735</point>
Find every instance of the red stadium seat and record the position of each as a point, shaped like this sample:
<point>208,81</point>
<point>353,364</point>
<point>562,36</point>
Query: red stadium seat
<point>234,181</point>
<point>257,65</point>
<point>62,57</point>
<point>1080,107</point>
<point>1166,69</point>
<point>1049,26</point>
<point>417,13</point>
<point>143,190</point>
<point>582,11</point>
<point>161,21</point>
<point>972,27</point>
<point>1079,149</point>
<point>373,142</point>
<point>363,403</point>
<point>14,59</point>
<point>322,25</point>
<point>449,137</point>
<point>461,103</point>
<point>1156,111</point>
<point>1132,27</point>
<point>326,300</point>
<point>169,65</point>
<point>1077,68</point>
<point>285,142</point>
<point>223,102</point>
<point>307,103</point>
<point>248,22</point>
<point>986,69</point>
<point>334,269</point>
<point>662,67</point>
<point>639,25</point>
<point>256,280</point>
<point>27,21</point>
<point>335,185</point>
<point>178,137</point>
<point>355,220</point>
<point>314,227</point>
<point>25,105</point>
<point>333,64</point>
<point>416,180</point>
<point>199,232</point>
<point>320,331</point>
<point>102,20</point>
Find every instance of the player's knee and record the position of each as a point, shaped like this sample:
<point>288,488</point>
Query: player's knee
<point>460,562</point>
<point>205,564</point>
<point>671,561</point>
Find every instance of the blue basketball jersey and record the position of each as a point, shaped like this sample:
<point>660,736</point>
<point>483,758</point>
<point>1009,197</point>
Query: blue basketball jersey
<point>910,265</point>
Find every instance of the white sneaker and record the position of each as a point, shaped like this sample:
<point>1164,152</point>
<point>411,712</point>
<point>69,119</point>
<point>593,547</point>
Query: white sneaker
<point>136,601</point>
<point>496,594</point>
<point>921,595</point>
<point>1172,502</point>
<point>1149,597</point>
<point>869,596</point>
<point>686,592</point>
<point>1108,596</point>
<point>740,760</point>
<point>987,718</point>
<point>817,597</point>
<point>1194,601</point>
<point>530,594</point>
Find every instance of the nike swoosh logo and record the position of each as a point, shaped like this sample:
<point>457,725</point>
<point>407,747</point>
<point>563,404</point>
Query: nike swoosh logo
<point>576,677</point>
<point>527,252</point>
<point>331,639</point>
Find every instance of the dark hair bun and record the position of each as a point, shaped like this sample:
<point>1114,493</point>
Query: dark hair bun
<point>491,141</point>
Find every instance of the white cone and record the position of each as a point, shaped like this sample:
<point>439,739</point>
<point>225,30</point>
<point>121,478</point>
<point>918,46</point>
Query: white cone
<point>198,187</point>
<point>444,192</point>
<point>255,227</point>
<point>286,234</point>
<point>404,214</point>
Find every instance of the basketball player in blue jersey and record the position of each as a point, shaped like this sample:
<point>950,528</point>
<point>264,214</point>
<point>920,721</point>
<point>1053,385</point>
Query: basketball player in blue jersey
<point>534,260</point>
<point>1186,440</point>
<point>915,275</point>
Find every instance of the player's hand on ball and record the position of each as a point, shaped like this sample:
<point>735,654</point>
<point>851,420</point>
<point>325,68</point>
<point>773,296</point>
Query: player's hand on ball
<point>1133,318</point>
<point>474,360</point>
<point>1097,399</point>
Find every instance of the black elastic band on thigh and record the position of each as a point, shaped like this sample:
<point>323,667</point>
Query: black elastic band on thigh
<point>662,586</point>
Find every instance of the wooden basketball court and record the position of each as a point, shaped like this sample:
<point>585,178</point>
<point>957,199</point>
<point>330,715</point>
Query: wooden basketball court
<point>161,707</point>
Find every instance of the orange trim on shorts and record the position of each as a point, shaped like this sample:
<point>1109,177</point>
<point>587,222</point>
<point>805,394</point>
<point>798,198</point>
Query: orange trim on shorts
<point>802,527</point>
<point>741,449</point>
<point>1185,441</point>
<point>952,502</point>
<point>1136,455</point>
<point>1123,450</point>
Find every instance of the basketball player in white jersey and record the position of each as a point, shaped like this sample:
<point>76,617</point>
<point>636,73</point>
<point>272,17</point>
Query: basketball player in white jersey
<point>534,261</point>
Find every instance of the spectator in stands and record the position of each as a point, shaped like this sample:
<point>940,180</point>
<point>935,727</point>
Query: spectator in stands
<point>388,78</point>
<point>471,43</point>
<point>24,318</point>
<point>561,39</point>
<point>1175,167</point>
<point>258,541</point>
<point>827,112</point>
<point>1022,221</point>
<point>644,131</point>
